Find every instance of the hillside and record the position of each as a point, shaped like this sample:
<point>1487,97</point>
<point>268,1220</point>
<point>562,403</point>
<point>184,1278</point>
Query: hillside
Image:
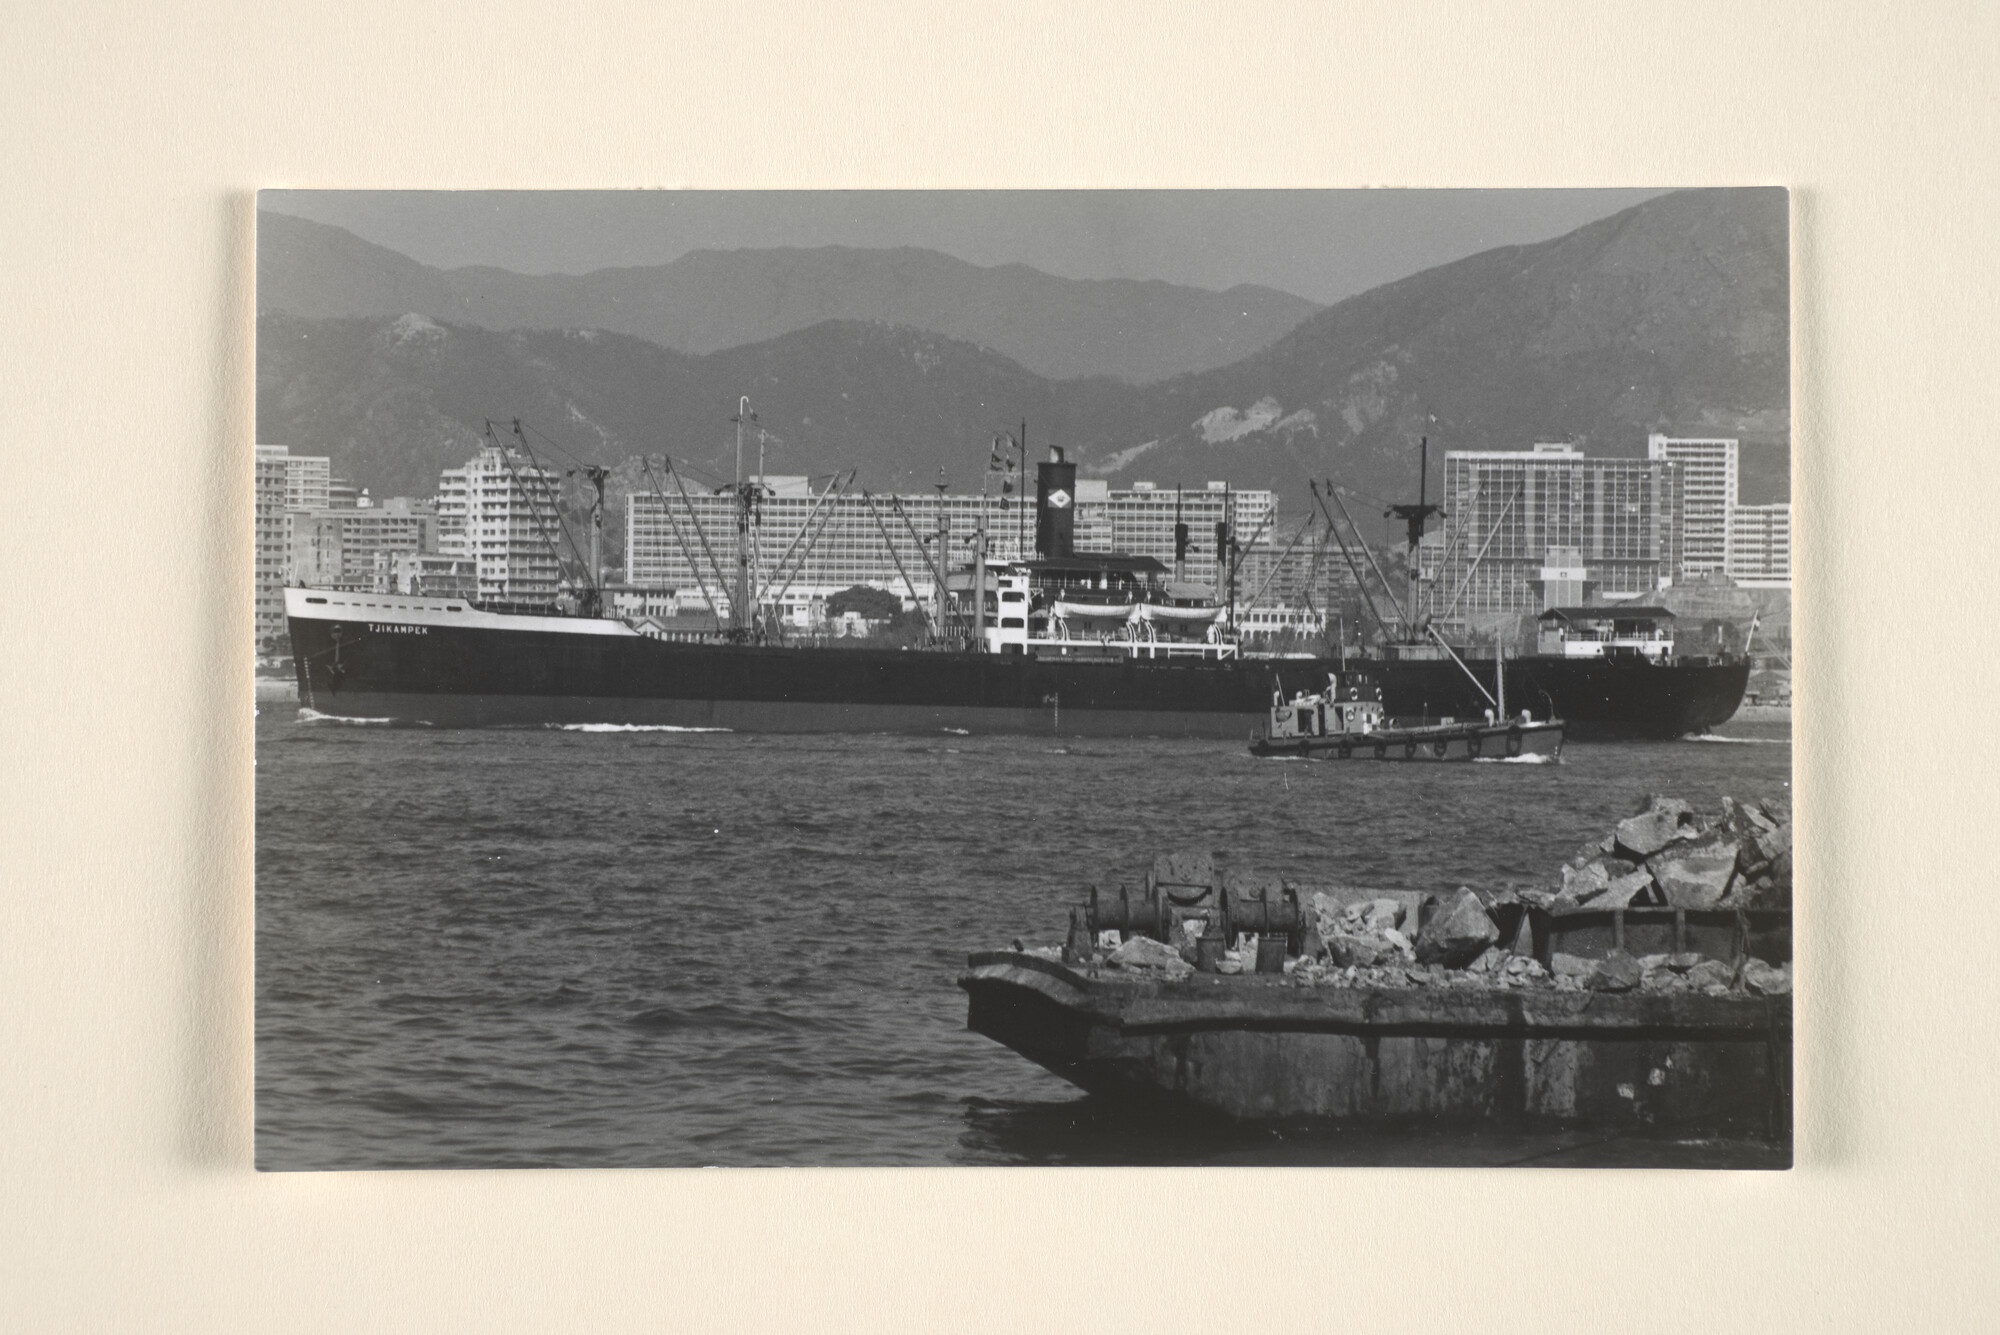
<point>393,401</point>
<point>1669,316</point>
<point>709,300</point>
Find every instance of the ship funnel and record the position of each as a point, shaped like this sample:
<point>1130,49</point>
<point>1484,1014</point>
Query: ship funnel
<point>1055,506</point>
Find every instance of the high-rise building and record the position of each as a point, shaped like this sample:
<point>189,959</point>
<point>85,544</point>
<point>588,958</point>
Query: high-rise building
<point>1708,496</point>
<point>501,511</point>
<point>307,481</point>
<point>1760,546</point>
<point>272,528</point>
<point>1529,529</point>
<point>690,543</point>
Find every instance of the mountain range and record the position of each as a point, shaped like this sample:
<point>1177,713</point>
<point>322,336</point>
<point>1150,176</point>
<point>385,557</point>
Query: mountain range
<point>1672,316</point>
<point>708,300</point>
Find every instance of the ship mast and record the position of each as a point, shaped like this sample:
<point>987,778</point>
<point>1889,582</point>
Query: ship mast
<point>1180,539</point>
<point>1021,511</point>
<point>943,594</point>
<point>596,473</point>
<point>1414,518</point>
<point>979,570</point>
<point>739,600</point>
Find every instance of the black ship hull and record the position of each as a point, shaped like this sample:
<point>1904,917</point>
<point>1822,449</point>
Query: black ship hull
<point>1595,697</point>
<point>459,667</point>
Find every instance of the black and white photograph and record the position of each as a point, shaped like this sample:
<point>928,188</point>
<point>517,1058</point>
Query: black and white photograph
<point>1043,677</point>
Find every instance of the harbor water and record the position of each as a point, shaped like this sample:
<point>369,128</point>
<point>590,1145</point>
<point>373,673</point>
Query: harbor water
<point>584,947</point>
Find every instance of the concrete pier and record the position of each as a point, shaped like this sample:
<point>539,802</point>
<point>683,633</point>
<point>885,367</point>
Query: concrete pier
<point>1267,1047</point>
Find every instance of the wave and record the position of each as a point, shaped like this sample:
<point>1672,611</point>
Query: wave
<point>630,727</point>
<point>1737,741</point>
<point>1532,758</point>
<point>307,714</point>
<point>958,732</point>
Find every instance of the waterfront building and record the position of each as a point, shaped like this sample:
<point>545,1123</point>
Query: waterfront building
<point>1141,522</point>
<point>1760,546</point>
<point>426,574</point>
<point>500,510</point>
<point>272,529</point>
<point>689,543</point>
<point>1526,530</point>
<point>340,548</point>
<point>1708,497</point>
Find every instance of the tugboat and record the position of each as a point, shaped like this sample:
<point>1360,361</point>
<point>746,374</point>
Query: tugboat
<point>1347,720</point>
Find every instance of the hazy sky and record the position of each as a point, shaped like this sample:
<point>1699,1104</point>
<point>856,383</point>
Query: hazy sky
<point>1320,244</point>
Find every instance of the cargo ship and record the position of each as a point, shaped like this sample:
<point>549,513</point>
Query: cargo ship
<point>1066,642</point>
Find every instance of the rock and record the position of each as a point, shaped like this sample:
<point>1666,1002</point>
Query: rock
<point>1398,940</point>
<point>1696,877</point>
<point>1685,960</point>
<point>1143,952</point>
<point>1761,893</point>
<point>1585,883</point>
<point>1616,972</point>
<point>1710,973</point>
<point>1458,933</point>
<point>1769,844</point>
<point>1492,960</point>
<point>1326,909</point>
<point>1766,979</point>
<point>1621,892</point>
<point>1351,952</point>
<point>1381,915</point>
<point>1664,820</point>
<point>1569,966</point>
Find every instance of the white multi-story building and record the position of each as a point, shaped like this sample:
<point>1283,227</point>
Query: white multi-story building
<point>308,478</point>
<point>690,543</point>
<point>1760,546</point>
<point>1524,527</point>
<point>1708,497</point>
<point>501,511</point>
<point>272,530</point>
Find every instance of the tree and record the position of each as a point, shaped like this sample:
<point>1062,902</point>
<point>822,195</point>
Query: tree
<point>870,604</point>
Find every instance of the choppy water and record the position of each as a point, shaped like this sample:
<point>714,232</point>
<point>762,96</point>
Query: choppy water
<point>570,947</point>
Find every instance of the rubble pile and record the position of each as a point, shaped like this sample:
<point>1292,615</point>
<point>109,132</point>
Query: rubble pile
<point>1666,856</point>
